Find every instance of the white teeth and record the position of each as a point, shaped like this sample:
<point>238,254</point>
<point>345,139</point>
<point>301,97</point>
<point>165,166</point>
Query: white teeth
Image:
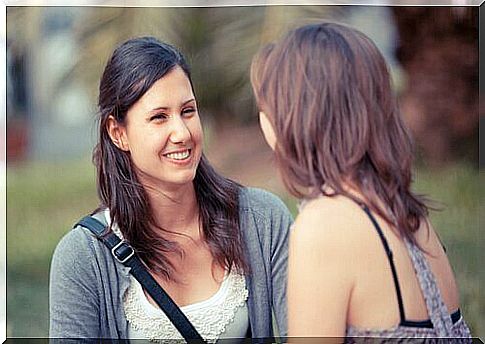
<point>179,155</point>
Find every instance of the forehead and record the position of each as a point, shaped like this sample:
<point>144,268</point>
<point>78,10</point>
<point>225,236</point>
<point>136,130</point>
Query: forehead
<point>172,89</point>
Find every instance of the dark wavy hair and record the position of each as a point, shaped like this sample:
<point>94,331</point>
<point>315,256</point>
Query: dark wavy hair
<point>132,69</point>
<point>326,90</point>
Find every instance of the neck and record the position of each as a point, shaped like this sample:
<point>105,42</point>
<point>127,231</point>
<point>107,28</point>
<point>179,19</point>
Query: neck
<point>175,209</point>
<point>347,186</point>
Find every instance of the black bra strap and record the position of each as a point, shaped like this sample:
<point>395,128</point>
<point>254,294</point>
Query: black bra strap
<point>391,261</point>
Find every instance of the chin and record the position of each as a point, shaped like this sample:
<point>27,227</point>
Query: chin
<point>187,177</point>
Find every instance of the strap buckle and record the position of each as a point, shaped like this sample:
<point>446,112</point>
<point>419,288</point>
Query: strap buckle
<point>124,253</point>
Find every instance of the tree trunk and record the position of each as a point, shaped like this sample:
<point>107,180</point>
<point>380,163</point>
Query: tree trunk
<point>438,49</point>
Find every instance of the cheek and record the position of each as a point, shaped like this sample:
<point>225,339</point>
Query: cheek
<point>267,130</point>
<point>195,128</point>
<point>145,143</point>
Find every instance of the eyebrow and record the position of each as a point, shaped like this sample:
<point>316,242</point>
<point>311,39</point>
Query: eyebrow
<point>166,108</point>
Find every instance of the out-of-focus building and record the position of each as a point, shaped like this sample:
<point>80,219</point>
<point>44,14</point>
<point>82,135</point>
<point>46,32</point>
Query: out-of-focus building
<point>49,113</point>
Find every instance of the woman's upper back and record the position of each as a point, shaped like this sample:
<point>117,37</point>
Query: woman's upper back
<point>351,246</point>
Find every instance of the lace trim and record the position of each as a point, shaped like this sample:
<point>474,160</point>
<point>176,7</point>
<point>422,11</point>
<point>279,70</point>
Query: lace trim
<point>210,321</point>
<point>210,317</point>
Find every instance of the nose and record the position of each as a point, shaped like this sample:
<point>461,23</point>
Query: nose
<point>180,133</point>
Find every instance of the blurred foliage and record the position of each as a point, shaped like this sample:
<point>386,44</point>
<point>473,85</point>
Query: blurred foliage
<point>218,42</point>
<point>437,47</point>
<point>44,200</point>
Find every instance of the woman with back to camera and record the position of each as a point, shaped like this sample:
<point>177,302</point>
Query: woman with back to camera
<point>217,248</point>
<point>364,258</point>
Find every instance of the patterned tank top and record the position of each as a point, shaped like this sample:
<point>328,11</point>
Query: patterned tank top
<point>440,323</point>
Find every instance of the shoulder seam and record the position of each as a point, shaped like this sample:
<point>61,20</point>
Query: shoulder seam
<point>90,238</point>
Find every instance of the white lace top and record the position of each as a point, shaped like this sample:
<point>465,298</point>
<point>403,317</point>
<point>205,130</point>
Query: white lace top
<point>224,315</point>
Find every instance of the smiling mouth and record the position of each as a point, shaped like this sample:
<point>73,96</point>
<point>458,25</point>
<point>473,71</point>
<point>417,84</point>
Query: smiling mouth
<point>180,156</point>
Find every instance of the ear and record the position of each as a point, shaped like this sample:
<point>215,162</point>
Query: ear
<point>117,133</point>
<point>267,129</point>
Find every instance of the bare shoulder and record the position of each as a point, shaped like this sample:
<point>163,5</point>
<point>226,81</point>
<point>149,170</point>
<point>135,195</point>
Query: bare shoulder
<point>336,222</point>
<point>325,251</point>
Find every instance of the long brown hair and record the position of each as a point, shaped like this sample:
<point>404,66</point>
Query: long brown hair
<point>132,69</point>
<point>327,92</point>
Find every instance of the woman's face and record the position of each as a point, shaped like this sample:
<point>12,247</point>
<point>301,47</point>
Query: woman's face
<point>267,129</point>
<point>163,133</point>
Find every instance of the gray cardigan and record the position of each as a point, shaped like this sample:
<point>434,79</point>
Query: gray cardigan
<point>87,284</point>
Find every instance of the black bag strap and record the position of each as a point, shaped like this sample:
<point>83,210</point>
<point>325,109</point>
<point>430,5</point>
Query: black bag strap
<point>125,254</point>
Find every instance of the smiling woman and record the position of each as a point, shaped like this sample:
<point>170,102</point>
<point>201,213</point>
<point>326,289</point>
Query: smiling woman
<point>217,248</point>
<point>162,132</point>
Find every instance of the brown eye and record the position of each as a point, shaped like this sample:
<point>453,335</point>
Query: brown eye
<point>158,117</point>
<point>188,112</point>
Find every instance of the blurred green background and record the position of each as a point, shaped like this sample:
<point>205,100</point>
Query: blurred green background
<point>54,64</point>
